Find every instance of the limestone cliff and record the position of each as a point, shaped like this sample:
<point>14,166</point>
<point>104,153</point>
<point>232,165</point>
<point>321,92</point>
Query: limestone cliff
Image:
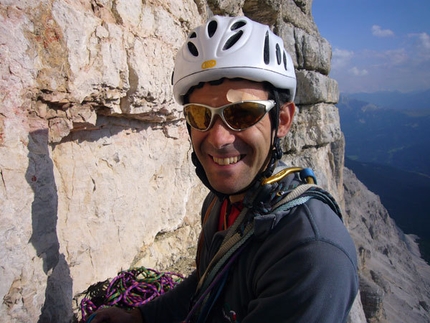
<point>394,280</point>
<point>94,153</point>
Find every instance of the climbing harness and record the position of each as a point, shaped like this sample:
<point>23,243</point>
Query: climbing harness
<point>129,289</point>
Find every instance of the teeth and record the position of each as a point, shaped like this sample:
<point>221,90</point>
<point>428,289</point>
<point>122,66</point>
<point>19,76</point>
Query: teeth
<point>226,161</point>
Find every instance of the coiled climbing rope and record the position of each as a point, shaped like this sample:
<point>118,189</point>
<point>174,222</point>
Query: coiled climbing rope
<point>130,288</point>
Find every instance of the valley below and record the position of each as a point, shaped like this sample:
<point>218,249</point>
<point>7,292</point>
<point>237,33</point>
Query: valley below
<point>388,148</point>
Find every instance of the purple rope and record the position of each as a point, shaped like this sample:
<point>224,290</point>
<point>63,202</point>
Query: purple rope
<point>130,289</point>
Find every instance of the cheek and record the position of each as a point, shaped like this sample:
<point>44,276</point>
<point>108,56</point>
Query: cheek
<point>265,132</point>
<point>259,138</point>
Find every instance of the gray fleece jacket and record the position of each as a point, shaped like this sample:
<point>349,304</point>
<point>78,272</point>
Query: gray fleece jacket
<point>303,271</point>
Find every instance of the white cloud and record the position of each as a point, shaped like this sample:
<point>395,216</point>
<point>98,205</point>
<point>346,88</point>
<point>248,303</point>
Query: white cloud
<point>425,40</point>
<point>377,31</point>
<point>358,72</point>
<point>394,57</point>
<point>420,48</point>
<point>404,65</point>
<point>423,46</point>
<point>341,58</point>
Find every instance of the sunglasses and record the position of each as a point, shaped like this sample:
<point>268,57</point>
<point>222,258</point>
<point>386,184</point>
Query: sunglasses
<point>237,116</point>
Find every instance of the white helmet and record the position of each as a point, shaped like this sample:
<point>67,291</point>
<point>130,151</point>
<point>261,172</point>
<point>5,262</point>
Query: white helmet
<point>232,47</point>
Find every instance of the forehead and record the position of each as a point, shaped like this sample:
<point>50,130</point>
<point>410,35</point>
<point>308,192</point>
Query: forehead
<point>218,93</point>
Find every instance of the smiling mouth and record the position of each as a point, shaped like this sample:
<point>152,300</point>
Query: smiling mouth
<point>227,161</point>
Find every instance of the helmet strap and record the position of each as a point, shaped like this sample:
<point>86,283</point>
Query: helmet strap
<point>276,150</point>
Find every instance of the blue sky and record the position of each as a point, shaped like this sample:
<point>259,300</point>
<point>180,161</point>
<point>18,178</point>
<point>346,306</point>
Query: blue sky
<point>378,45</point>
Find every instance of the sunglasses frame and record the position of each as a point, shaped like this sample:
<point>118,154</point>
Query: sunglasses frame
<point>268,105</point>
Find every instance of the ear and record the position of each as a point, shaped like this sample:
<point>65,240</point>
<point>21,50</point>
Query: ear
<point>286,115</point>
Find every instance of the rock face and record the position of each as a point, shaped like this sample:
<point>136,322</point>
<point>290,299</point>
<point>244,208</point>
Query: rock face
<point>94,153</point>
<point>394,280</point>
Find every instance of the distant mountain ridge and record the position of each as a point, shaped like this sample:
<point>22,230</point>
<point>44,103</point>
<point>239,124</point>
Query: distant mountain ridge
<point>381,135</point>
<point>388,148</point>
<point>395,100</point>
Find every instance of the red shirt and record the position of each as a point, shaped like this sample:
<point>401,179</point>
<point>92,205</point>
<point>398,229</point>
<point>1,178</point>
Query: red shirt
<point>228,214</point>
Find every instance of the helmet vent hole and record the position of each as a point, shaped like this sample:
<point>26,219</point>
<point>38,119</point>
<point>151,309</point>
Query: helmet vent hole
<point>278,54</point>
<point>237,25</point>
<point>266,49</point>
<point>232,40</point>
<point>193,49</point>
<point>193,35</point>
<point>285,61</point>
<point>212,27</point>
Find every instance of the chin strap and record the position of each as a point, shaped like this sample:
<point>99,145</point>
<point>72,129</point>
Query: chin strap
<point>275,156</point>
<point>276,150</point>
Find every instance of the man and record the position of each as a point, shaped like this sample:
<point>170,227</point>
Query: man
<point>272,247</point>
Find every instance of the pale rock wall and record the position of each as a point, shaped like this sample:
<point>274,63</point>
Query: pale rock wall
<point>94,153</point>
<point>394,280</point>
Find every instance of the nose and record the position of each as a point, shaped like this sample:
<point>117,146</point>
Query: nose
<point>219,134</point>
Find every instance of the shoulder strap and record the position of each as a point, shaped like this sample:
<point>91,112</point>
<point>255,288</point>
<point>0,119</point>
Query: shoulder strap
<point>201,239</point>
<point>285,195</point>
<point>304,193</point>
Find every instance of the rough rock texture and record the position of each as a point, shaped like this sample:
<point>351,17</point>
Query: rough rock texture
<point>394,280</point>
<point>94,153</point>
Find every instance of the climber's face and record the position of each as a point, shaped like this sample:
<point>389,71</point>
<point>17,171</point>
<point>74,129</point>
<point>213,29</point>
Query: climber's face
<point>232,159</point>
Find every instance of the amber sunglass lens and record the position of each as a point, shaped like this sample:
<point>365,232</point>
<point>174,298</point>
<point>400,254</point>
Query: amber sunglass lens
<point>198,117</point>
<point>244,115</point>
